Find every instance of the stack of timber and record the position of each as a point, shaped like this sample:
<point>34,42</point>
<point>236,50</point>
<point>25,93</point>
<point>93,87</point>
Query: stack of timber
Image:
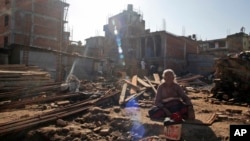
<point>19,80</point>
<point>232,78</point>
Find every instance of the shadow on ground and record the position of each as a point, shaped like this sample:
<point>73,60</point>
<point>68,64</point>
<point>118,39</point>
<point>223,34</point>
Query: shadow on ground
<point>198,132</point>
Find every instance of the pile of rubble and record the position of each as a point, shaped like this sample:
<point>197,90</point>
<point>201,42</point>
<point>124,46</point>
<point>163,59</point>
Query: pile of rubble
<point>232,78</point>
<point>95,110</point>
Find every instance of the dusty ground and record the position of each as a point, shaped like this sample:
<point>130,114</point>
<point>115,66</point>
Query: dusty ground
<point>117,123</point>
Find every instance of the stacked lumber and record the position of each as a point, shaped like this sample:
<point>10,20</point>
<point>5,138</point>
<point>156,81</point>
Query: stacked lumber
<point>18,79</point>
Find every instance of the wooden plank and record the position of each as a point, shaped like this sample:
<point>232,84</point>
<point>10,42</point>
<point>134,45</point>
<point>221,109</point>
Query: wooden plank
<point>134,82</point>
<point>189,78</point>
<point>123,93</point>
<point>24,72</point>
<point>134,96</point>
<point>27,83</point>
<point>10,66</point>
<point>10,75</point>
<point>151,84</point>
<point>131,84</point>
<point>20,67</point>
<point>145,84</point>
<point>64,102</point>
<point>157,78</point>
<point>24,78</point>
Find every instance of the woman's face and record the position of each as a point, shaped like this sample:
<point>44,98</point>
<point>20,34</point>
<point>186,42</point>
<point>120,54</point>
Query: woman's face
<point>169,77</point>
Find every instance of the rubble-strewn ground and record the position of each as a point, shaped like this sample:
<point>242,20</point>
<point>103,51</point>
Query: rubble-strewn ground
<point>115,123</point>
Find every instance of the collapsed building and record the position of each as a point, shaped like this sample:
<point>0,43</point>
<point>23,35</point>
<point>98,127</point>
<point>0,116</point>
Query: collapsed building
<point>232,77</point>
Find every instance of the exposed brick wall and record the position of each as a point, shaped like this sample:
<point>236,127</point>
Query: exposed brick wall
<point>45,19</point>
<point>175,47</point>
<point>51,9</point>
<point>20,39</point>
<point>2,27</point>
<point>191,46</point>
<point>24,4</point>
<point>46,31</point>
<point>3,5</point>
<point>3,30</point>
<point>46,43</point>
<point>22,22</point>
<point>1,41</point>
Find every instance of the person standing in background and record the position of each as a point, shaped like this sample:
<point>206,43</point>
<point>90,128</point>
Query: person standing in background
<point>143,64</point>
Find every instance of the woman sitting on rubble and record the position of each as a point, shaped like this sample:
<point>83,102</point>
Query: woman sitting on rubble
<point>171,101</point>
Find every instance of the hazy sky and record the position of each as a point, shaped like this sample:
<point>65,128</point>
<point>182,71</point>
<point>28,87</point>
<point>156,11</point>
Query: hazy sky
<point>208,19</point>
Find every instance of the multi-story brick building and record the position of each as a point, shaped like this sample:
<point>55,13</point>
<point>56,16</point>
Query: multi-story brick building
<point>33,23</point>
<point>29,28</point>
<point>36,23</point>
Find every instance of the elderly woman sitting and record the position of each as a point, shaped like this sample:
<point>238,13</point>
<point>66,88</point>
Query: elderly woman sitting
<point>171,101</point>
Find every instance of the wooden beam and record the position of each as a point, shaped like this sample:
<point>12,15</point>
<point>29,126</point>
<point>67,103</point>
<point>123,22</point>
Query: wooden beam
<point>157,78</point>
<point>131,84</point>
<point>133,96</point>
<point>134,82</point>
<point>145,84</point>
<point>189,78</point>
<point>151,84</point>
<point>123,93</point>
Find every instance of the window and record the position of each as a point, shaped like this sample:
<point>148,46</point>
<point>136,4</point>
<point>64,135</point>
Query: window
<point>6,20</point>
<point>5,44</point>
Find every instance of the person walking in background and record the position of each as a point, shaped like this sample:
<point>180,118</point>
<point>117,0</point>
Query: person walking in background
<point>143,70</point>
